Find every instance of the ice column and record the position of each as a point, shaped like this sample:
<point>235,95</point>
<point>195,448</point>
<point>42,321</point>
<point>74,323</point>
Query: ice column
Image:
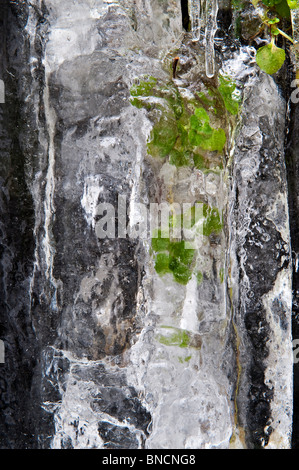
<point>203,13</point>
<point>211,28</point>
<point>195,18</point>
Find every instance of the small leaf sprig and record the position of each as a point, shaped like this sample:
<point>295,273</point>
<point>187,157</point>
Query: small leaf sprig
<point>270,58</point>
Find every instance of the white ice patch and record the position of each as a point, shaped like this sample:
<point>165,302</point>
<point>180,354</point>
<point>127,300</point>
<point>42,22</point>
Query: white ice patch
<point>107,142</point>
<point>90,198</point>
<point>189,319</point>
<point>73,29</point>
<point>278,375</point>
<point>240,65</point>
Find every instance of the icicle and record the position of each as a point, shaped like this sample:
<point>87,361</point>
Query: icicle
<point>195,18</point>
<point>211,28</point>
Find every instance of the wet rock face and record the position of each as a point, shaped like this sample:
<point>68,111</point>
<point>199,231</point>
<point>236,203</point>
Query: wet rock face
<point>122,342</point>
<point>292,169</point>
<point>17,241</point>
<point>264,249</point>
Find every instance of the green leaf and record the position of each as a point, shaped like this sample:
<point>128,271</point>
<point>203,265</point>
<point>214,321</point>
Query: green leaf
<point>270,58</point>
<point>293,4</point>
<point>283,9</point>
<point>273,21</point>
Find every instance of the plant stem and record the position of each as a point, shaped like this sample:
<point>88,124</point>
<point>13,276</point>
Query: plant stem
<point>285,35</point>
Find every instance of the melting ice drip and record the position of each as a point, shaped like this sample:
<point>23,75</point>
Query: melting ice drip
<point>203,14</point>
<point>195,18</point>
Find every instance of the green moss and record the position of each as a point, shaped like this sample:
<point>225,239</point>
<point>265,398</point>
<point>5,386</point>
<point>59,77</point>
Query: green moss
<point>206,101</point>
<point>221,275</point>
<point>180,158</point>
<point>162,264</point>
<point>200,118</point>
<point>202,135</point>
<point>174,99</point>
<point>227,90</point>
<point>178,338</point>
<point>160,244</point>
<point>199,277</point>
<point>199,162</point>
<point>144,87</point>
<point>182,124</point>
<point>221,99</point>
<point>184,359</point>
<point>181,273</point>
<point>137,103</point>
<point>182,129</point>
<point>178,252</point>
<point>172,256</point>
<point>180,261</point>
<point>182,132</point>
<point>212,223</point>
<point>163,137</point>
